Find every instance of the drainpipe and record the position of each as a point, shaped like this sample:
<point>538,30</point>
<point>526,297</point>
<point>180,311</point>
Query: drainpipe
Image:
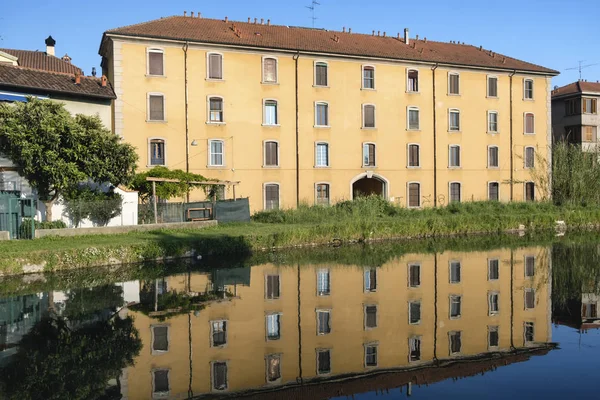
<point>512,302</point>
<point>434,140</point>
<point>435,306</point>
<point>299,379</point>
<point>511,137</point>
<point>187,130</point>
<point>296,56</point>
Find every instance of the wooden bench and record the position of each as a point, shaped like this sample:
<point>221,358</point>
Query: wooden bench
<point>201,209</point>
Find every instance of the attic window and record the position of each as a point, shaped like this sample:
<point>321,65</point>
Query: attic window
<point>258,33</point>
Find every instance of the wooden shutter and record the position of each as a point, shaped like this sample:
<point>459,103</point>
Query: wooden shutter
<point>414,195</point>
<point>271,156</point>
<point>529,123</point>
<point>270,70</point>
<point>215,66</point>
<point>493,87</point>
<point>157,111</point>
<point>371,155</point>
<point>321,74</point>
<point>454,84</point>
<point>369,116</point>
<point>272,197</point>
<point>155,63</point>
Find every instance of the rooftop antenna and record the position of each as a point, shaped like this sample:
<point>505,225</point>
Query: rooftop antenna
<point>312,7</point>
<point>580,67</point>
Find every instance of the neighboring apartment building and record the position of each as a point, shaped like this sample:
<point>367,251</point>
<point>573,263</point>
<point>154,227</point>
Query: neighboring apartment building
<point>45,76</point>
<point>575,114</point>
<point>286,325</point>
<point>310,115</point>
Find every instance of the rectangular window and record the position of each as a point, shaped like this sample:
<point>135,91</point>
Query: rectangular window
<point>271,154</point>
<point>216,109</point>
<point>156,62</point>
<point>413,118</point>
<point>215,66</point>
<point>219,375</point>
<point>493,337</point>
<point>322,155</point>
<point>589,134</point>
<point>455,271</point>
<point>368,155</point>
<point>272,289</point>
<point>493,303</point>
<point>529,298</point>
<point>271,197</point>
<point>414,346</point>
<point>161,383</point>
<point>321,74</point>
<point>370,317</point>
<point>218,333</point>
<point>455,306</point>
<point>322,114</point>
<point>493,269</point>
<point>414,312</point>
<point>529,157</point>
<point>529,123</point>
<point>370,280</point>
<point>413,155</point>
<point>492,86</point>
<point>529,332</point>
<point>529,266</point>
<point>323,194</point>
<point>323,283</point>
<point>273,326</point>
<point>571,107</point>
<point>493,157</point>
<point>371,355</point>
<point>493,191</point>
<point>323,322</point>
<point>157,152</point>
<point>413,81</point>
<point>492,122</point>
<point>271,112</point>
<point>368,116</point>
<point>454,121</point>
<point>414,275</point>
<point>529,191</point>
<point>455,192</point>
<point>368,78</point>
<point>160,338</point>
<point>455,342</point>
<point>528,89</point>
<point>589,310</point>
<point>156,107</point>
<point>589,106</point>
<point>414,195</point>
<point>273,368</point>
<point>269,70</point>
<point>216,153</point>
<point>323,361</point>
<point>453,83</point>
<point>454,156</point>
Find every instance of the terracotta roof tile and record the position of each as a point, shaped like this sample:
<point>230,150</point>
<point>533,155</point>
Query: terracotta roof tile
<point>41,61</point>
<point>322,41</point>
<point>577,87</point>
<point>25,79</point>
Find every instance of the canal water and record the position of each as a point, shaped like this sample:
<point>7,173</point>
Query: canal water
<point>352,322</point>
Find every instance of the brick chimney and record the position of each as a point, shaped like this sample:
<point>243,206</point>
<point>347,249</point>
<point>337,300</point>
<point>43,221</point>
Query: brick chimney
<point>77,78</point>
<point>50,42</point>
<point>103,81</point>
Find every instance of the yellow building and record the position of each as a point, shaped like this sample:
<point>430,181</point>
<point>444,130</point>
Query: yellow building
<point>316,116</point>
<point>317,323</point>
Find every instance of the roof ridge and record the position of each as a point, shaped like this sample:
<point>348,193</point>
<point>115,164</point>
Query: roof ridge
<point>48,72</point>
<point>142,23</point>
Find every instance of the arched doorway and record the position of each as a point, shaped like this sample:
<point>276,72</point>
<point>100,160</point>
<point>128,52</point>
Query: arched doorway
<point>364,185</point>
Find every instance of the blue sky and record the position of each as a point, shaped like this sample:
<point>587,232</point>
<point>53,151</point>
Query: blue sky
<point>553,33</point>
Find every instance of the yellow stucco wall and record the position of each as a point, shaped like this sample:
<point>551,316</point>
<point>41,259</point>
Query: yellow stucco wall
<point>243,133</point>
<point>247,345</point>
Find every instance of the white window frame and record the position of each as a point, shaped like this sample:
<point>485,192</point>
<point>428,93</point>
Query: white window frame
<point>366,328</point>
<point>449,191</point>
<point>150,139</point>
<point>362,77</point>
<point>212,343</point>
<point>155,50</point>
<point>264,121</point>
<point>489,268</point>
<point>450,297</point>
<point>490,311</point>
<point>264,192</point>
<point>408,155</point>
<point>320,270</point>
<point>371,344</point>
<point>487,86</point>
<point>262,68</point>
<point>450,343</point>
<point>451,111</point>
<point>212,377</point>
<point>158,352</point>
<point>160,395</point>
<point>525,123</point>
<point>374,116</point>
<point>322,350</point>
<point>362,155</point>
<point>489,113</point>
<point>488,190</point>
<point>323,183</point>
<point>525,324</point>
<point>450,73</point>
<point>493,328</point>
<point>420,303</point>
<point>525,257</point>
<point>267,315</point>
<point>413,264</point>
<point>328,311</point>
<point>529,289</point>
<point>264,145</point>
<point>321,142</point>
<point>411,338</point>
<point>208,121</point>
<point>315,73</point>
<point>408,110</point>
<point>321,102</point>
<point>408,194</point>
<point>208,78</point>
<point>210,164</point>
<point>148,107</point>
<point>365,288</point>
<point>493,146</point>
<point>278,380</point>
<point>450,262</point>
<point>525,157</point>
<point>450,146</point>
<point>525,98</point>
<point>408,70</point>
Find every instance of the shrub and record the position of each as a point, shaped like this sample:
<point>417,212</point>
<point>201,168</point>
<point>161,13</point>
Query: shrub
<point>25,228</point>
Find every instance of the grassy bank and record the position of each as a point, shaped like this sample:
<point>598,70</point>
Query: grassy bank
<point>361,220</point>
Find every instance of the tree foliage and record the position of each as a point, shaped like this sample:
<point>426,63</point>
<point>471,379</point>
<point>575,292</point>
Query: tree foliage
<point>165,190</point>
<point>100,207</point>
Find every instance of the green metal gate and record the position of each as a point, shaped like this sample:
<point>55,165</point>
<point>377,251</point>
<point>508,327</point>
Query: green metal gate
<point>12,210</point>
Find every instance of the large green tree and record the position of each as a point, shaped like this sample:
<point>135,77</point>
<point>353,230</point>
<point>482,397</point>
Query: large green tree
<point>55,151</point>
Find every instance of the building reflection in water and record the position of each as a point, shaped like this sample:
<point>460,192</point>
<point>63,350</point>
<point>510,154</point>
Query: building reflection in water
<point>417,319</point>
